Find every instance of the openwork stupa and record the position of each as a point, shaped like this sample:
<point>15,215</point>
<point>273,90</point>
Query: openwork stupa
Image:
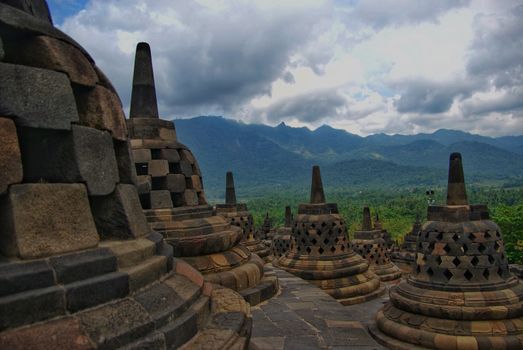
<point>460,294</point>
<point>320,251</point>
<point>171,192</point>
<point>368,243</point>
<point>405,256</point>
<point>281,241</point>
<point>237,214</point>
<point>79,266</point>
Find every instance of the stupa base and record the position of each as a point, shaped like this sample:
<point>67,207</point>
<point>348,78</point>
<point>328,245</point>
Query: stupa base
<point>387,273</point>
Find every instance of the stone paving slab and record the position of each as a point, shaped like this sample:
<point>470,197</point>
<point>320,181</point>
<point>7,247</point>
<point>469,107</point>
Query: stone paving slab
<point>302,316</point>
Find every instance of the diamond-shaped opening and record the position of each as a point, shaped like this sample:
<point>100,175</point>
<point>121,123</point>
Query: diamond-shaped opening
<point>321,250</point>
<point>487,235</point>
<point>372,256</point>
<point>420,246</point>
<point>318,232</point>
<point>314,241</point>
<point>308,250</point>
<point>339,231</point>
<point>326,241</point>
<point>342,248</point>
<point>336,240</point>
<point>430,272</point>
<point>497,246</point>
<point>468,275</point>
<point>313,225</point>
<point>500,272</point>
<point>456,261</point>
<point>472,237</point>
<point>431,246</point>
<point>491,259</point>
<point>303,240</point>
<point>455,237</point>
<point>497,234</point>
<point>448,275</point>
<point>298,248</point>
<point>307,233</point>
<point>424,258</point>
<point>465,248</point>
<point>323,224</point>
<point>439,237</point>
<point>447,248</point>
<point>474,261</point>
<point>486,274</point>
<point>418,269</point>
<point>333,249</point>
<point>482,248</point>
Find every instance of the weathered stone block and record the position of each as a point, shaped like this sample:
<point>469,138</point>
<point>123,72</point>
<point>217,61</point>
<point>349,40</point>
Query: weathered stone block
<point>186,168</point>
<point>64,333</point>
<point>10,157</point>
<point>50,104</point>
<point>158,167</point>
<point>101,108</point>
<point>142,155</point>
<point>187,155</point>
<point>176,183</point>
<point>116,324</point>
<point>82,155</point>
<point>39,220</point>
<point>2,52</point>
<point>31,306</point>
<point>20,277</point>
<point>171,155</point>
<point>94,291</point>
<point>190,196</point>
<point>55,55</point>
<point>161,199</point>
<point>80,266</point>
<point>124,160</point>
<point>167,134</point>
<point>120,214</point>
<point>196,183</point>
<point>144,184</point>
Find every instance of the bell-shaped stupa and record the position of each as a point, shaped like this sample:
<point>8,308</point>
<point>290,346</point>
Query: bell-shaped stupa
<point>368,243</point>
<point>320,251</point>
<point>461,294</point>
<point>389,242</point>
<point>171,192</point>
<point>80,267</point>
<point>405,255</point>
<point>237,214</point>
<point>281,240</point>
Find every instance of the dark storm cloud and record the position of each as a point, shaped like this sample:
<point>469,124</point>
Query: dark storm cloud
<point>308,108</point>
<point>205,59</point>
<point>428,97</point>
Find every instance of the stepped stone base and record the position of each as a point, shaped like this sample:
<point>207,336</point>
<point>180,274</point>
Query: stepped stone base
<point>387,272</point>
<point>404,260</point>
<point>259,248</point>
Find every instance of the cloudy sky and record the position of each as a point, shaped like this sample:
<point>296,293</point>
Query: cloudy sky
<point>369,66</point>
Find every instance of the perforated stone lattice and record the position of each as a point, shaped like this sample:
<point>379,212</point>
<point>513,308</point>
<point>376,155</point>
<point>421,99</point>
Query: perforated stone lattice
<point>460,257</point>
<point>326,237</point>
<point>158,174</point>
<point>373,250</point>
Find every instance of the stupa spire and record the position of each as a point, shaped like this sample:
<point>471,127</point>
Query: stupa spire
<point>317,195</point>
<point>288,216</point>
<point>143,97</point>
<point>456,191</point>
<point>367,223</point>
<point>230,192</point>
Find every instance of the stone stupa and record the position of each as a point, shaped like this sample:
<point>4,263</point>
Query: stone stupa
<point>368,243</point>
<point>266,232</point>
<point>171,192</point>
<point>405,255</point>
<point>461,294</point>
<point>389,242</point>
<point>281,241</point>
<point>320,251</point>
<point>237,214</point>
<point>79,266</point>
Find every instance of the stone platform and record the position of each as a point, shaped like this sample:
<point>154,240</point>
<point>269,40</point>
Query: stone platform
<point>302,316</point>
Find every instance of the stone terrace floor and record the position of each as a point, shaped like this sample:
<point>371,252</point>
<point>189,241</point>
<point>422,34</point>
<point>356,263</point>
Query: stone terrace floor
<point>303,317</point>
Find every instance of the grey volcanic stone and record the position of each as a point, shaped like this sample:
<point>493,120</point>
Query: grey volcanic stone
<point>98,290</point>
<point>37,8</point>
<point>176,183</point>
<point>50,104</point>
<point>79,266</point>
<point>161,199</point>
<point>20,277</point>
<point>119,214</point>
<point>82,155</point>
<point>39,220</point>
<point>31,306</point>
<point>10,156</point>
<point>142,155</point>
<point>116,324</point>
<point>126,168</point>
<point>2,53</point>
<point>171,155</point>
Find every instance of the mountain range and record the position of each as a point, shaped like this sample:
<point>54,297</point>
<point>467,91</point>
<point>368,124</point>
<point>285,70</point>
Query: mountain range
<point>265,158</point>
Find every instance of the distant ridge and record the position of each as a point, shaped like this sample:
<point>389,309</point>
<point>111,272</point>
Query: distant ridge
<point>265,158</point>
